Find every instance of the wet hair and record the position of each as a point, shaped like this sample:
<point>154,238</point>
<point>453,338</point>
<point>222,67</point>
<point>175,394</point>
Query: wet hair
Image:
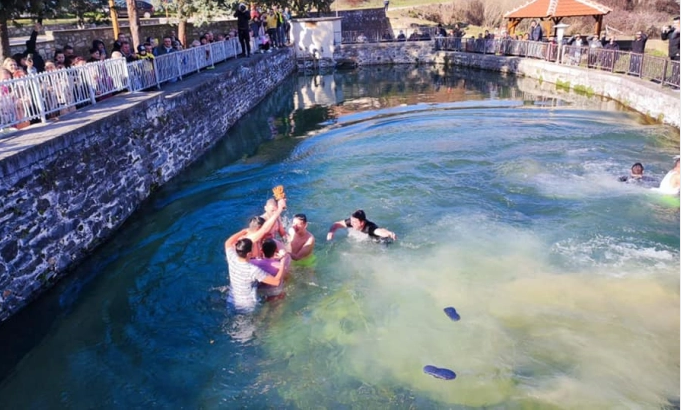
<point>256,222</point>
<point>302,217</point>
<point>637,169</point>
<point>269,247</point>
<point>359,214</point>
<point>272,202</point>
<point>243,247</point>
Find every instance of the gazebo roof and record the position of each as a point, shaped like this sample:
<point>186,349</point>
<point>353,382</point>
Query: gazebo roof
<point>557,8</point>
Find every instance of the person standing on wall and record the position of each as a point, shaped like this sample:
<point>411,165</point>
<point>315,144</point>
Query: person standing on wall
<point>243,16</point>
<point>536,33</point>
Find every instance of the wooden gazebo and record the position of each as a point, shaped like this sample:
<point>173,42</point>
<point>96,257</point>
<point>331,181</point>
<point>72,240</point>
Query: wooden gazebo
<point>556,10</point>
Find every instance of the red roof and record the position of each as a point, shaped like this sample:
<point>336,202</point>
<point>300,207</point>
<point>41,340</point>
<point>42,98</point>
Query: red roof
<point>558,8</point>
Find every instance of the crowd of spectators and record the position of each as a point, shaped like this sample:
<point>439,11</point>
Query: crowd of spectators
<point>63,93</point>
<point>261,30</point>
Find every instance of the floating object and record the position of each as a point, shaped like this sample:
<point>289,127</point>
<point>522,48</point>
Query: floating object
<point>278,192</point>
<point>439,373</point>
<point>451,313</point>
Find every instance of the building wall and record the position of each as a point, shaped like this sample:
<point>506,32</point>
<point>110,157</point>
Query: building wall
<point>64,194</point>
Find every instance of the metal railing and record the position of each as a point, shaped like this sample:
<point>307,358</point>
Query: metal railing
<point>657,69</point>
<point>48,94</point>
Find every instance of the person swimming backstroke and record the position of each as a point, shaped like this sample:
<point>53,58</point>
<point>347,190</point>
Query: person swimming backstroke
<point>358,222</point>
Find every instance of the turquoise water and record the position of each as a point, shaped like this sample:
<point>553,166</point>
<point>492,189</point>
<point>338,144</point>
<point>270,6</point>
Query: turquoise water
<point>506,205</point>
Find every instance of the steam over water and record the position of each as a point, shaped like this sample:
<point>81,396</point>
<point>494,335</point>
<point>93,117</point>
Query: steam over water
<point>506,205</point>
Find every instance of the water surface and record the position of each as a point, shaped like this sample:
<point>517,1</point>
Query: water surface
<point>507,206</point>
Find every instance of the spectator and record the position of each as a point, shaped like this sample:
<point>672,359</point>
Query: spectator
<point>59,58</point>
<point>165,48</point>
<point>31,50</point>
<point>638,47</point>
<point>441,31</point>
<point>94,55</point>
<point>386,3</point>
<point>271,22</point>
<point>243,16</point>
<point>536,33</point>
<point>387,36</point>
<point>672,34</point>
<point>126,50</point>
<point>177,46</point>
<point>149,48</point>
<point>173,38</point>
<point>401,36</point>
<point>610,56</point>
<point>68,50</point>
<point>99,45</point>
<point>143,52</point>
<point>117,44</point>
<point>361,38</point>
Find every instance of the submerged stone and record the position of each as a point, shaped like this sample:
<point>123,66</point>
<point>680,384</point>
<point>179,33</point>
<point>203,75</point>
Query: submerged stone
<point>439,373</point>
<point>452,314</point>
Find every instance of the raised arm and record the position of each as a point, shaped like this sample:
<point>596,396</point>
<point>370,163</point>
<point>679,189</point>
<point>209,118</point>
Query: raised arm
<point>334,228</point>
<point>232,240</point>
<point>276,280</point>
<point>267,226</point>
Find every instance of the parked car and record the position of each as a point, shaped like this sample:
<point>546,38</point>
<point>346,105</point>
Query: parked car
<point>144,9</point>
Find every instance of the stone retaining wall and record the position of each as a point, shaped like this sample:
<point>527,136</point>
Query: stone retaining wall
<point>65,193</point>
<point>643,96</point>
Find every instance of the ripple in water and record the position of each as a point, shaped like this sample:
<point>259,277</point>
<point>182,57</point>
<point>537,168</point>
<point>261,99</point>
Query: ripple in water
<point>566,280</point>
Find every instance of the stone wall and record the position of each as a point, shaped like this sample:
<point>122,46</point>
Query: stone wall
<point>643,96</point>
<point>25,30</point>
<point>77,180</point>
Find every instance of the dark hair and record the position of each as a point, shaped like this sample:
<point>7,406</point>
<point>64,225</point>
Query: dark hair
<point>243,247</point>
<point>68,47</point>
<point>359,214</point>
<point>635,166</point>
<point>269,247</point>
<point>256,222</point>
<point>302,217</point>
<point>94,50</point>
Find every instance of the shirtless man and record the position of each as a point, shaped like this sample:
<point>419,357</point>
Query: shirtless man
<point>671,182</point>
<point>277,228</point>
<point>300,240</point>
<point>358,221</point>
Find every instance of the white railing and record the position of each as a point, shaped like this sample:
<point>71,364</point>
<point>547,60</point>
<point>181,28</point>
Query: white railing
<point>48,94</point>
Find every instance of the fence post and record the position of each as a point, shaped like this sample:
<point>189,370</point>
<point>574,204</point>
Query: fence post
<point>640,67</point>
<point>126,74</point>
<point>156,75</point>
<point>664,73</point>
<point>197,59</point>
<point>87,81</point>
<point>37,98</point>
<point>178,60</point>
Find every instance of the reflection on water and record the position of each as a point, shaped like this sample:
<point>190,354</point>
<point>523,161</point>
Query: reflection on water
<point>507,206</point>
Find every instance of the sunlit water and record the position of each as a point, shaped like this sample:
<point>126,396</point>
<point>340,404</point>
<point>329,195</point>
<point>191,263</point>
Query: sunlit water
<point>506,205</point>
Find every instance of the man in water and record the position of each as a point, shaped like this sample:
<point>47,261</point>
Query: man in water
<point>670,183</point>
<point>277,228</point>
<point>270,263</point>
<point>636,175</point>
<point>259,228</point>
<point>244,276</point>
<point>358,221</point>
<point>300,240</point>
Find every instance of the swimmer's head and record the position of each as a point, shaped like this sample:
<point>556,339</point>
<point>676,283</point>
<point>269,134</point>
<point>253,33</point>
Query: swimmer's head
<point>637,170</point>
<point>256,222</point>
<point>271,205</point>
<point>243,247</point>
<point>269,247</point>
<point>299,222</point>
<point>357,219</point>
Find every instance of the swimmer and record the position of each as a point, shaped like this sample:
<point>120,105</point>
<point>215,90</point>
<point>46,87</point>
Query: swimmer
<point>670,182</point>
<point>278,228</point>
<point>270,263</point>
<point>636,176</point>
<point>244,276</point>
<point>300,240</point>
<point>258,228</point>
<point>358,221</point>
